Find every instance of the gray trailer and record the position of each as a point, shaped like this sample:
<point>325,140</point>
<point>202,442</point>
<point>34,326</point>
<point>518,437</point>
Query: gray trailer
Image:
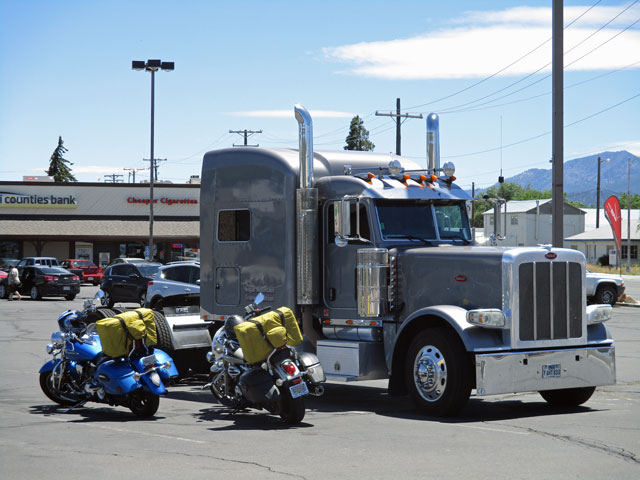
<point>375,256</point>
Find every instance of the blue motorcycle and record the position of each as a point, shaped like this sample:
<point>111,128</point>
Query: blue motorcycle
<point>80,372</point>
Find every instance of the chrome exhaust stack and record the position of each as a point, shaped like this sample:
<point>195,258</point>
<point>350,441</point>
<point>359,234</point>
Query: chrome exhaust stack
<point>307,215</point>
<point>433,143</point>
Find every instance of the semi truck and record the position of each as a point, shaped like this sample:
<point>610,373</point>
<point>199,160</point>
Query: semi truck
<point>375,255</point>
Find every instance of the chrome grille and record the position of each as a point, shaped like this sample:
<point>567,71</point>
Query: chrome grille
<point>550,299</point>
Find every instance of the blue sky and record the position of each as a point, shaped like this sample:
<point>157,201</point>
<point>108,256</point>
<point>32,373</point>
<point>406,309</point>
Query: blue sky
<point>65,70</point>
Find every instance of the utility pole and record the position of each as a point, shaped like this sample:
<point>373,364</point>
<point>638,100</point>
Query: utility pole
<point>396,118</point>
<point>246,133</point>
<point>153,165</point>
<point>628,215</point>
<point>598,198</point>
<point>132,171</point>
<point>473,209</point>
<point>557,65</point>
<point>114,178</point>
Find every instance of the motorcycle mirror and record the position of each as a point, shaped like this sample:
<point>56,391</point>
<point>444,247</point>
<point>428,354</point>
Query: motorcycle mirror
<point>259,299</point>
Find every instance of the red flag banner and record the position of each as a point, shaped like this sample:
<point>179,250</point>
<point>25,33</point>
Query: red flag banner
<point>612,212</point>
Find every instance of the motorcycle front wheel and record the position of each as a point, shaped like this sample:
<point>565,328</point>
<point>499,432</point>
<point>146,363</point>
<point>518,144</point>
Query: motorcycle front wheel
<point>292,410</point>
<point>143,404</point>
<point>61,397</point>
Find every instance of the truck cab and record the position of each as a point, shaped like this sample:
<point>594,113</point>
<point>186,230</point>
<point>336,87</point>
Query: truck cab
<point>374,253</point>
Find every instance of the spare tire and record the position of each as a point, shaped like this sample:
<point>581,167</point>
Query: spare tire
<point>99,314</point>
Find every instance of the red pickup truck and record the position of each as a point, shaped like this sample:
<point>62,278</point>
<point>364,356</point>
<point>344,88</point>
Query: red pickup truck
<point>88,271</point>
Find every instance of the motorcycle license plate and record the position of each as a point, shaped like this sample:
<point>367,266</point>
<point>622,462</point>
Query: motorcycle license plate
<point>298,390</point>
<point>149,361</point>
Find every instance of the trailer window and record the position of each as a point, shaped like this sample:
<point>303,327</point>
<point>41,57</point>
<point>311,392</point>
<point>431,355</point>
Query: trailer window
<point>234,226</point>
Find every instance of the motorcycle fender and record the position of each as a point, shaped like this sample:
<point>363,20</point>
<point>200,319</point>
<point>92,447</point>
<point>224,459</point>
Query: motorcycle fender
<point>148,385</point>
<point>49,366</point>
<point>164,357</point>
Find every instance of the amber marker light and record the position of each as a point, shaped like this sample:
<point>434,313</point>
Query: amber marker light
<point>370,176</point>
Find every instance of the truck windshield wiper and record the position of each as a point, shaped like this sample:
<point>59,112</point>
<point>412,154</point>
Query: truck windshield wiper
<point>465,241</point>
<point>410,237</point>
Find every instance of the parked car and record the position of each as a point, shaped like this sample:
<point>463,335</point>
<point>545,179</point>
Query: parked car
<point>176,283</point>
<point>49,261</point>
<point>6,263</point>
<point>118,260</point>
<point>127,282</point>
<point>40,281</point>
<point>604,287</point>
<point>88,271</point>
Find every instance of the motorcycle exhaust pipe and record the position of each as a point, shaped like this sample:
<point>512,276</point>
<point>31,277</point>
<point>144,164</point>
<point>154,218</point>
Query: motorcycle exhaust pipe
<point>318,391</point>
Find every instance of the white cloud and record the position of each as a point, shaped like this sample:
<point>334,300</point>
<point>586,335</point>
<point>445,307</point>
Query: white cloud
<point>482,43</point>
<point>289,114</point>
<point>97,169</point>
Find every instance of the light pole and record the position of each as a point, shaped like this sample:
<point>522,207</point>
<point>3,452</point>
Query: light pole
<point>151,66</point>
<point>598,194</point>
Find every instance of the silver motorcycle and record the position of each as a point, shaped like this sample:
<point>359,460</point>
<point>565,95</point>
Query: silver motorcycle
<point>278,385</point>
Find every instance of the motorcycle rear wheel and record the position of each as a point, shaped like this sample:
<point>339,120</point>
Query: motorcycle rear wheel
<point>143,404</point>
<point>292,410</point>
<point>61,398</point>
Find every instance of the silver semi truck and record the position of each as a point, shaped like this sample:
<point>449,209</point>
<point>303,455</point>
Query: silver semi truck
<point>375,256</point>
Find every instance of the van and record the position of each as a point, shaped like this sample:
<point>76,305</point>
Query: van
<point>29,261</point>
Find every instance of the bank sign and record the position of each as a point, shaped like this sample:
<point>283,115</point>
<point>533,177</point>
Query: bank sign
<point>19,200</point>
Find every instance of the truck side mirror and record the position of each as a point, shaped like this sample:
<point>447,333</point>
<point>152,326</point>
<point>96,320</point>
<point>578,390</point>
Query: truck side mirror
<point>342,221</point>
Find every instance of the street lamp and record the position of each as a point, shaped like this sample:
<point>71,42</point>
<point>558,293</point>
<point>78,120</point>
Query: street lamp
<point>151,66</point>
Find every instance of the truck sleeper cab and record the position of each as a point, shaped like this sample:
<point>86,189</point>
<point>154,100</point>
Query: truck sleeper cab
<point>377,259</point>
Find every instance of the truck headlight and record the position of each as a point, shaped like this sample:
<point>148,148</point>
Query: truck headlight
<point>487,317</point>
<point>599,313</point>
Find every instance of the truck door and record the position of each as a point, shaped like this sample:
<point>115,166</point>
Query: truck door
<point>340,264</point>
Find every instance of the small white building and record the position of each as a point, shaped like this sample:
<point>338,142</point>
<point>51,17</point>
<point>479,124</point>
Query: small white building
<point>528,222</point>
<point>599,241</point>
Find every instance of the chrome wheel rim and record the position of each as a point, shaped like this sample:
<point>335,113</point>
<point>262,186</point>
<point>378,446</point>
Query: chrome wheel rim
<point>430,373</point>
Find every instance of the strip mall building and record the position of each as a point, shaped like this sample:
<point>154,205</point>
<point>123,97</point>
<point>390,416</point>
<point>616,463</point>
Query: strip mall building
<point>98,221</point>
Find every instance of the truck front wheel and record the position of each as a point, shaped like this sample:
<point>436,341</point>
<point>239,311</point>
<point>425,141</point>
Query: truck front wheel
<point>438,372</point>
<point>568,397</point>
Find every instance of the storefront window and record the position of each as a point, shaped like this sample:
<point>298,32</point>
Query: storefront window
<point>9,250</point>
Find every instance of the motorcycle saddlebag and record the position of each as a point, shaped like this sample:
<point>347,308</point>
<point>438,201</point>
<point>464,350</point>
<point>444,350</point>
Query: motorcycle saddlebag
<point>118,333</point>
<point>116,376</point>
<point>258,388</point>
<point>259,336</point>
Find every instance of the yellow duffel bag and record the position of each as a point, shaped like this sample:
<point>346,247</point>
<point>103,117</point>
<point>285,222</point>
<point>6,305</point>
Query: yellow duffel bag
<point>259,336</point>
<point>118,333</point>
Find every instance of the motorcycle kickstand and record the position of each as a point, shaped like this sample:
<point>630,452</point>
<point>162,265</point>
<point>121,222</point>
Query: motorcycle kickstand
<point>79,404</point>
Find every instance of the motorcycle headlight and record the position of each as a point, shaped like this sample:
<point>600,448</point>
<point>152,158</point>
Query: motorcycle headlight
<point>50,349</point>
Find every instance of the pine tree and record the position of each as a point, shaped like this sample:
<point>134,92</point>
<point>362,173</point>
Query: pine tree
<point>358,138</point>
<point>58,168</point>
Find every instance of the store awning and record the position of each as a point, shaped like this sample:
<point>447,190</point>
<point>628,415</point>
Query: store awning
<point>102,229</point>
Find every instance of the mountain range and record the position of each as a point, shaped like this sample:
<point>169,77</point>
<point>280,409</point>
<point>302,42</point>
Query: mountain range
<point>581,177</point>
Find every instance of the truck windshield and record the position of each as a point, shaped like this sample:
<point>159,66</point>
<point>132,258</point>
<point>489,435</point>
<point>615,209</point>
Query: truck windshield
<point>452,222</point>
<point>414,219</point>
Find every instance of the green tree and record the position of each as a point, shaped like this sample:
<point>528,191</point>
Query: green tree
<point>635,201</point>
<point>58,168</point>
<point>358,138</point>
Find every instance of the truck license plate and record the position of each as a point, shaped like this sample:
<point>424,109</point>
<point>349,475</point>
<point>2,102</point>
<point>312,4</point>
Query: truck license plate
<point>551,371</point>
<point>298,390</point>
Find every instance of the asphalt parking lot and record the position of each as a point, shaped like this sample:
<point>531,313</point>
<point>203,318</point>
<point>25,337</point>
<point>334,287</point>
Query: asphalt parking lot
<point>354,431</point>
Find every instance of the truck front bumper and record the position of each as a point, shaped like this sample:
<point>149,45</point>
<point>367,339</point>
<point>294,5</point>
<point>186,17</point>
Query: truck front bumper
<point>545,370</point>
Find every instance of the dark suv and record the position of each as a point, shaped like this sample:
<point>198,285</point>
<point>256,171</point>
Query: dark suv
<point>127,282</point>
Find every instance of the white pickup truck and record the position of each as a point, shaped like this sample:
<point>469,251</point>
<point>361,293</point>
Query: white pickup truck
<point>604,287</point>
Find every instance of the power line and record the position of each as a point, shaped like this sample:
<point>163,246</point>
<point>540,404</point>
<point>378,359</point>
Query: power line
<point>546,133</point>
